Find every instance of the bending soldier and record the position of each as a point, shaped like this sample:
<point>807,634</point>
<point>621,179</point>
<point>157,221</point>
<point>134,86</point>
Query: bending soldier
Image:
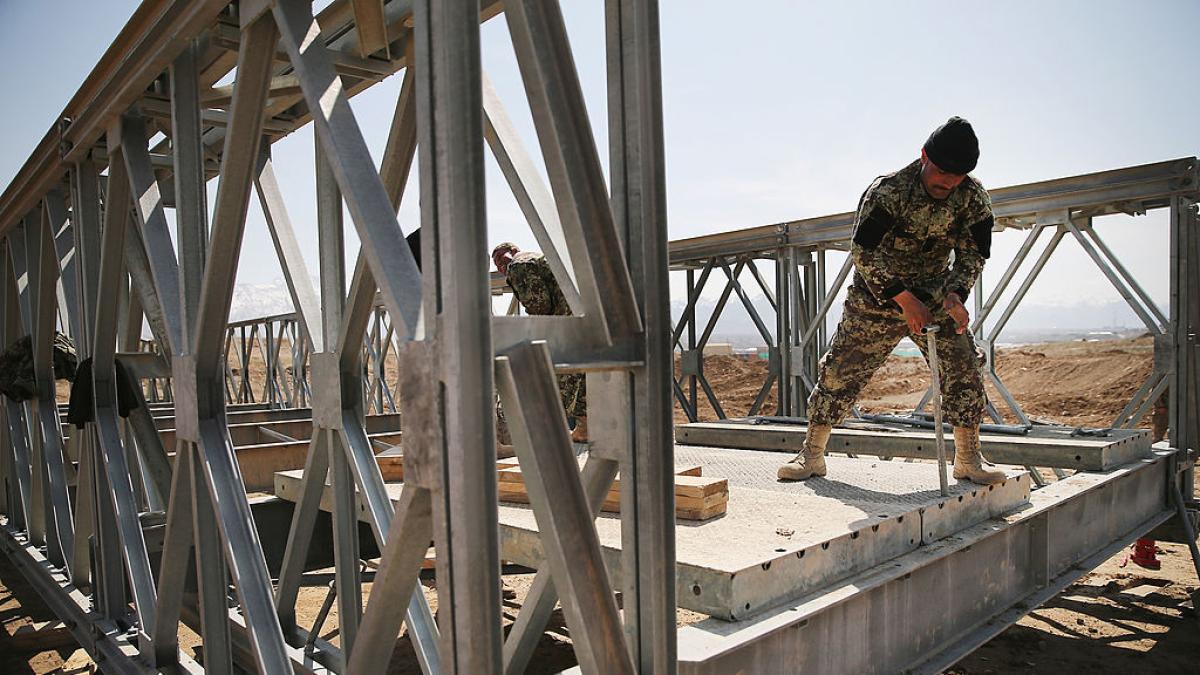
<point>907,226</point>
<point>533,282</point>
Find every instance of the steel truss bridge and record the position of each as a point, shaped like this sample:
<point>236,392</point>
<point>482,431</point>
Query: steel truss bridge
<point>128,530</point>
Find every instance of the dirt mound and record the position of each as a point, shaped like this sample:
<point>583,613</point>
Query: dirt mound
<point>1077,383</point>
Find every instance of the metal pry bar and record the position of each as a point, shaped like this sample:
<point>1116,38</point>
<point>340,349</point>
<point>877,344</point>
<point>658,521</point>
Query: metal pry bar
<point>930,333</point>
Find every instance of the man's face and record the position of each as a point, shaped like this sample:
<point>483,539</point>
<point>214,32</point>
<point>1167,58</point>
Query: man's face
<point>939,184</point>
<point>502,257</point>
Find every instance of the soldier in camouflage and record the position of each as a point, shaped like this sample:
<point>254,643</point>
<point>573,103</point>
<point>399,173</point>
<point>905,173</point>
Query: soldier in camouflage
<point>532,281</point>
<point>907,226</point>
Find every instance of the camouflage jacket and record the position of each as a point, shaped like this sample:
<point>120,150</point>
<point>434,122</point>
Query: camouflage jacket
<point>533,283</point>
<point>903,238</point>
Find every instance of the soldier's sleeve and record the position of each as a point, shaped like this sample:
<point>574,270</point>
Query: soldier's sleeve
<point>973,246</point>
<point>872,222</point>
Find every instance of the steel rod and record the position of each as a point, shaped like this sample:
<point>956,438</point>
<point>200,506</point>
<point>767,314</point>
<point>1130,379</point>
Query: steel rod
<point>939,434</point>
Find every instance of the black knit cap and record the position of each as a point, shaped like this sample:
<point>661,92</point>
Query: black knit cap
<point>953,146</point>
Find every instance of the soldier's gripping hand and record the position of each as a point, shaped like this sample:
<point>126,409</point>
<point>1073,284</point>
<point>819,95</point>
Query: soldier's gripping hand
<point>954,307</point>
<point>916,314</point>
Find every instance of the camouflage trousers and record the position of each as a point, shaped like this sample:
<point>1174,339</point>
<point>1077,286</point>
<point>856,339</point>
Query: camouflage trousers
<point>572,389</point>
<point>866,335</point>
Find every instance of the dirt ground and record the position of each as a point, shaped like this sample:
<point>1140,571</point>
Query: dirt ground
<point>1118,618</point>
<point>1076,383</point>
<point>20,606</point>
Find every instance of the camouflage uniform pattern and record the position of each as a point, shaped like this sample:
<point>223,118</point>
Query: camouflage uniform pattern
<point>904,240</point>
<point>16,366</point>
<point>533,282</point>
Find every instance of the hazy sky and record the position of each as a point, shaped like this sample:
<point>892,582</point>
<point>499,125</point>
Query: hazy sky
<point>778,110</point>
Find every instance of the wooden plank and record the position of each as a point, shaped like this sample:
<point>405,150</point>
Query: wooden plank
<point>391,464</point>
<point>700,514</point>
<point>696,497</point>
<point>696,486</point>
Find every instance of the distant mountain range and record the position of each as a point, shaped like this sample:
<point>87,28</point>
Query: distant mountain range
<point>251,301</point>
<point>1032,322</point>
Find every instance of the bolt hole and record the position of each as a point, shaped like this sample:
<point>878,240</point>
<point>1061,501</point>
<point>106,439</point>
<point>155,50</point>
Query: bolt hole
<point>747,606</point>
<point>991,487</point>
<point>1078,458</point>
<point>766,566</point>
<point>854,535</point>
<point>799,554</point>
<point>824,546</point>
<point>942,505</point>
<point>874,528</point>
<point>695,589</point>
<point>900,519</point>
<point>781,550</point>
<point>960,498</point>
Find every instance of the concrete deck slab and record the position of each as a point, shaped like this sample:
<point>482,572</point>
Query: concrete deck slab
<point>1043,446</point>
<point>779,541</point>
<point>921,612</point>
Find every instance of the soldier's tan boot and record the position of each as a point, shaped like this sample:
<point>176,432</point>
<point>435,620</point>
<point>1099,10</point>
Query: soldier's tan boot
<point>811,461</point>
<point>580,433</point>
<point>968,460</point>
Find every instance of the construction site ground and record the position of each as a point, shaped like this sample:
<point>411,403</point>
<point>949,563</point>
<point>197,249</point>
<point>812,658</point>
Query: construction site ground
<point>1118,618</point>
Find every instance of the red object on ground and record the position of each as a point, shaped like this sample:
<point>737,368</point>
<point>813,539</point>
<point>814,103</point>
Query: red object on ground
<point>1144,551</point>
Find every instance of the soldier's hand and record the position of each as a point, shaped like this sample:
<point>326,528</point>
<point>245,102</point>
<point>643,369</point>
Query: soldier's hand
<point>916,314</point>
<point>954,307</point>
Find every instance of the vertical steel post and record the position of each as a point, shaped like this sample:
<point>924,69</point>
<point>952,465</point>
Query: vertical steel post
<point>639,205</point>
<point>798,401</point>
<point>823,291</point>
<point>690,318</point>
<point>453,216</point>
<point>1184,314</point>
<point>812,294</point>
<point>783,338</point>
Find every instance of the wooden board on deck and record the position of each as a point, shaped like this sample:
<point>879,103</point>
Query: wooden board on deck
<point>391,465</point>
<point>696,497</point>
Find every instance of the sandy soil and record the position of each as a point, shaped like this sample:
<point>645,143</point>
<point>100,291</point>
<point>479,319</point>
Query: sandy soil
<point>1118,618</point>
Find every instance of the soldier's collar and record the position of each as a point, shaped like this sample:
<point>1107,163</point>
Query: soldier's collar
<point>915,187</point>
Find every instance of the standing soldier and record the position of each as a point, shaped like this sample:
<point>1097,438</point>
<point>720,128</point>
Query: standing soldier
<point>533,282</point>
<point>908,224</point>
